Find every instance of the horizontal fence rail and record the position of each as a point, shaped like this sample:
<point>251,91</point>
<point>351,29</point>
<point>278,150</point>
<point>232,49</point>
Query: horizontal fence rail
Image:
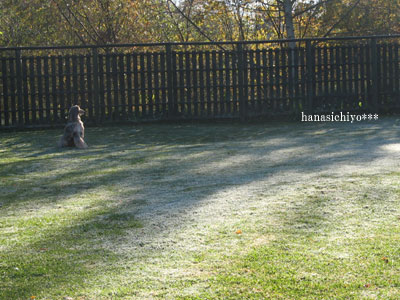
<point>175,81</point>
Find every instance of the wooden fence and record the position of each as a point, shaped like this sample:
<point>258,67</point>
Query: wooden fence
<point>247,80</point>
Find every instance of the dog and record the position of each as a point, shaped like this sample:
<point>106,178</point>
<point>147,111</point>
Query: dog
<point>74,132</point>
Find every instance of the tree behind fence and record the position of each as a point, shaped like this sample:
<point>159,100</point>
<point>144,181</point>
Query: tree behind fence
<point>243,82</point>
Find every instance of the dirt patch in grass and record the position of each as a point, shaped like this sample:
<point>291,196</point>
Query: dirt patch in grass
<point>153,211</point>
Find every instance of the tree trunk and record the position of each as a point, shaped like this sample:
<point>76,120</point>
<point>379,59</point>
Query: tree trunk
<point>288,9</point>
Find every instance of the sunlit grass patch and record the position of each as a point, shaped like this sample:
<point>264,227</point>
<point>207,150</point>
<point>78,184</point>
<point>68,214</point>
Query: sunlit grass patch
<point>340,243</point>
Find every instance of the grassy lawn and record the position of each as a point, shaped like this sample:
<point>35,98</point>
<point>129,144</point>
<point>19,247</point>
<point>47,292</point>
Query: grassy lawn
<point>203,211</point>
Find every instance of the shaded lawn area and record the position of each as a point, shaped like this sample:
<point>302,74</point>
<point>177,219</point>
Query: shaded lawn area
<point>153,212</point>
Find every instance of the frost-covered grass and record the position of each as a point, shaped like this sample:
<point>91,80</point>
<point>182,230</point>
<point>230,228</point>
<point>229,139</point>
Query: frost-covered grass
<point>154,212</point>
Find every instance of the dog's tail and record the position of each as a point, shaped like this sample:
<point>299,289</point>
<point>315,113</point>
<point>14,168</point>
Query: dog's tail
<point>79,142</point>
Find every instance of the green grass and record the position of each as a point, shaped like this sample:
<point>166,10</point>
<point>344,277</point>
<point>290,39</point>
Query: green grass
<point>151,212</point>
<point>300,265</point>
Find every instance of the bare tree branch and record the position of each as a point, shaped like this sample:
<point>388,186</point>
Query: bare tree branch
<point>180,33</point>
<point>342,18</point>
<point>89,22</point>
<point>193,24</point>
<point>79,21</point>
<point>316,5</point>
<point>69,22</point>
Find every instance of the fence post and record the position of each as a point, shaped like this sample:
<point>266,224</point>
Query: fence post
<point>374,74</point>
<point>170,81</point>
<point>96,78</point>
<point>310,74</point>
<point>240,70</point>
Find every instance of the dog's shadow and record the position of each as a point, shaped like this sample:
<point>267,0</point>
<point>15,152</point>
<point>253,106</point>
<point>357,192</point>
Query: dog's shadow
<point>48,151</point>
<point>54,150</point>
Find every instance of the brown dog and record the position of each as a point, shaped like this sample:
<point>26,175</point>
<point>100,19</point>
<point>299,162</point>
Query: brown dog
<point>74,132</point>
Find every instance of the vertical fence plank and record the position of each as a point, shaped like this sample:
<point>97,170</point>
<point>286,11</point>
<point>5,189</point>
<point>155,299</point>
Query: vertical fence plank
<point>215,82</point>
<point>344,65</point>
<point>245,70</point>
<point>174,76</point>
<point>303,79</point>
<point>68,88</point>
<point>40,88</point>
<point>325,84</point>
<point>32,89</point>
<point>188,98</point>
<point>396,65</point>
<point>363,81</point>
<point>108,86</point>
<point>156,84</point>
<point>13,78</point>
<point>221,97</point>
<point>338,73</point>
<point>170,79</point>
<point>150,91</point>
<point>89,81</point>
<point>310,71</point>
<point>115,89</point>
<point>163,83</point>
<point>227,83</point>
<point>25,84</point>
<point>195,84</point>
<point>122,92</point>
<point>383,75</point>
<point>208,82</point>
<point>390,73</point>
<point>54,90</point>
<point>61,89</point>
<point>47,87</point>
<point>136,83</point>
<point>291,79</point>
<point>374,73</point>
<point>201,83</point>
<point>241,75</point>
<point>346,78</point>
<point>259,84</point>
<point>349,81</point>
<point>96,97</point>
<point>143,85</point>
<point>284,80</point>
<point>182,89</point>
<point>264,106</point>
<point>356,76</point>
<point>252,70</point>
<point>129,84</point>
<point>278,86</point>
<point>234,73</point>
<point>75,87</point>
<point>318,92</point>
<point>368,77</point>
<point>102,91</point>
<point>272,100</point>
<point>18,66</point>
<point>82,87</point>
<point>297,82</point>
<point>331,91</point>
<point>4,107</point>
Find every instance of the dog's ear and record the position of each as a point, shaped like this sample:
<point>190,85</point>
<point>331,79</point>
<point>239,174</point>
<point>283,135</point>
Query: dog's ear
<point>73,113</point>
